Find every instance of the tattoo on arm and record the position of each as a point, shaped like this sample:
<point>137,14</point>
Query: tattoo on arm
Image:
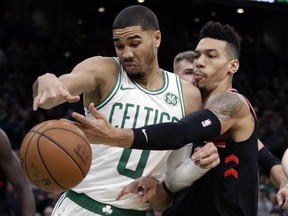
<point>225,106</point>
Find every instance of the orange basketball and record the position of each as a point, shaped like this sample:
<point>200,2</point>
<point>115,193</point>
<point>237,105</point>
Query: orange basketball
<point>55,155</point>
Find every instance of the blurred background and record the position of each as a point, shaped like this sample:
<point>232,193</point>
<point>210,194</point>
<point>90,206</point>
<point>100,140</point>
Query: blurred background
<point>39,36</point>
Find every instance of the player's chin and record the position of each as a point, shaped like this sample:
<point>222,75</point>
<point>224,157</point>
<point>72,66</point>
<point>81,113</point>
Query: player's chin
<point>135,74</point>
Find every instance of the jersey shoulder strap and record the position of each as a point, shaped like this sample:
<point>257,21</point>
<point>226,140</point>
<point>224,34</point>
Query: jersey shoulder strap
<point>249,104</point>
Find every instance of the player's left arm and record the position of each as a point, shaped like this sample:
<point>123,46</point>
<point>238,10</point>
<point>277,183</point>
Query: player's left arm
<point>272,166</point>
<point>183,169</point>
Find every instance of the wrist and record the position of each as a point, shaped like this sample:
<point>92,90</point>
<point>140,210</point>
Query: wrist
<point>123,137</point>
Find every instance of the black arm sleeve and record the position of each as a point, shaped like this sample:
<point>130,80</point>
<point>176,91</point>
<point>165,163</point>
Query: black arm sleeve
<point>196,127</point>
<point>267,160</point>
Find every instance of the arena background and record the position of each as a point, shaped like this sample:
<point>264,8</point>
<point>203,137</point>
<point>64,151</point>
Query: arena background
<point>38,36</point>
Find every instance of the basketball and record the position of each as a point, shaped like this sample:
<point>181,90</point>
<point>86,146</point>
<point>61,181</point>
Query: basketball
<point>55,155</point>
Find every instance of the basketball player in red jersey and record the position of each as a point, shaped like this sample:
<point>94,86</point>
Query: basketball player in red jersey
<point>230,188</point>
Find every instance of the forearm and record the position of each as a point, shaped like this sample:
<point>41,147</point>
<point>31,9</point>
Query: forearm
<point>184,175</point>
<point>120,138</point>
<point>181,171</point>
<point>22,187</point>
<point>268,161</point>
<point>197,127</point>
<point>278,177</point>
<point>26,201</point>
<point>272,166</point>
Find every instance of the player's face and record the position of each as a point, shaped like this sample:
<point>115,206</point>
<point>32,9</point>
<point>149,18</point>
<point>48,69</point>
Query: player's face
<point>136,49</point>
<point>185,71</point>
<point>211,65</point>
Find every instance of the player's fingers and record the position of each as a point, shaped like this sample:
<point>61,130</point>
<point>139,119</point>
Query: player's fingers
<point>281,201</point>
<point>199,155</point>
<point>205,151</point>
<point>72,99</point>
<point>72,122</point>
<point>127,189</point>
<point>40,99</point>
<point>209,162</point>
<point>35,103</point>
<point>120,194</point>
<point>79,117</point>
<point>132,187</point>
<point>95,113</point>
<point>43,96</point>
<point>282,198</point>
<point>197,149</point>
<point>284,204</point>
<point>140,190</point>
<point>146,198</point>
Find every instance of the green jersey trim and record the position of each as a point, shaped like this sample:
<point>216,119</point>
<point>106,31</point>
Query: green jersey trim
<point>116,86</point>
<point>180,89</point>
<point>159,91</point>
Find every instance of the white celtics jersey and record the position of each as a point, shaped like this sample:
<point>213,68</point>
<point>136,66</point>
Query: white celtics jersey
<point>129,105</point>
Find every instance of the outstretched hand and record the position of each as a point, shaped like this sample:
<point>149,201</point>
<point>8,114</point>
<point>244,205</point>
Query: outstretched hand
<point>97,130</point>
<point>51,91</point>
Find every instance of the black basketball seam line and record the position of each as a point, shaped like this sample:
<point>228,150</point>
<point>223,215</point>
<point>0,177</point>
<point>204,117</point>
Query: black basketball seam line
<point>26,150</point>
<point>54,141</point>
<point>37,132</point>
<point>88,144</point>
<point>39,153</point>
<point>40,158</point>
<point>47,122</point>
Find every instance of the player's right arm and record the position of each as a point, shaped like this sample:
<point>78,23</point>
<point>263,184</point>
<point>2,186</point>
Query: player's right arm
<point>92,74</point>
<point>227,111</point>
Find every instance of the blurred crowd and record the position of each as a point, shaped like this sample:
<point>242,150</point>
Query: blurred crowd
<point>26,53</point>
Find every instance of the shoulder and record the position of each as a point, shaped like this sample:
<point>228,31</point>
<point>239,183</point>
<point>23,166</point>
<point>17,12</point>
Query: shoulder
<point>227,105</point>
<point>98,70</point>
<point>190,90</point>
<point>192,97</point>
<point>97,63</point>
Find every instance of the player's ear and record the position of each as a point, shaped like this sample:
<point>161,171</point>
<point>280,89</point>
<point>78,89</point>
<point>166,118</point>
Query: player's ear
<point>157,38</point>
<point>234,65</point>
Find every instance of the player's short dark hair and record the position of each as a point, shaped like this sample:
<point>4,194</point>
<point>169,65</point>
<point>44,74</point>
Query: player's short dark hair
<point>218,31</point>
<point>136,15</point>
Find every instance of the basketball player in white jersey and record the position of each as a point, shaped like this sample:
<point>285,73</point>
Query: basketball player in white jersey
<point>131,91</point>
